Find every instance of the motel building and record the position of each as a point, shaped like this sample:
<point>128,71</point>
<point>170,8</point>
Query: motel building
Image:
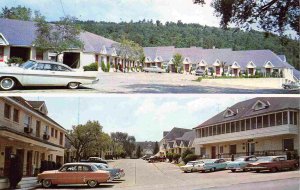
<point>27,131</point>
<point>259,126</point>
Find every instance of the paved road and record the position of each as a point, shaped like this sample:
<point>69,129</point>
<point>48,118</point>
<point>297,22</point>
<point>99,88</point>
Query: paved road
<point>141,175</point>
<point>152,83</point>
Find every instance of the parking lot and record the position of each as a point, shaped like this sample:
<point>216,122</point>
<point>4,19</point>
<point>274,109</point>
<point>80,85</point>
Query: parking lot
<point>159,83</point>
<point>143,175</point>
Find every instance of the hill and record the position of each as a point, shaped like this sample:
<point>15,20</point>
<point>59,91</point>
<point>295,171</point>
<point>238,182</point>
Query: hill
<point>148,33</point>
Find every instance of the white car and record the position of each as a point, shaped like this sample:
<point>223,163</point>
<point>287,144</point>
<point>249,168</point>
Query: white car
<point>192,166</point>
<point>44,73</point>
<point>154,69</point>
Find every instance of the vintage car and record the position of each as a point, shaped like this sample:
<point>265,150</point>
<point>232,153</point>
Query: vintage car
<point>292,85</point>
<point>116,173</point>
<point>199,72</point>
<point>154,69</point>
<point>192,166</point>
<point>95,160</point>
<point>213,165</point>
<point>44,73</point>
<point>240,163</point>
<point>273,164</point>
<point>74,173</point>
<point>153,159</point>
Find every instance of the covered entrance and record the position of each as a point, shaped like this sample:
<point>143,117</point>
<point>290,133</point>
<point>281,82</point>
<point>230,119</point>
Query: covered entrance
<point>72,59</point>
<point>172,68</point>
<point>20,52</point>
<point>213,152</point>
<point>218,70</point>
<point>250,148</point>
<point>186,67</point>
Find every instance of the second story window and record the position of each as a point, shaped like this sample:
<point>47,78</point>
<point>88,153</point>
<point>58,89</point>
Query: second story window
<point>7,111</point>
<point>16,115</point>
<point>61,138</point>
<point>52,132</point>
<point>46,132</point>
<point>56,133</point>
<point>27,121</point>
<point>38,129</point>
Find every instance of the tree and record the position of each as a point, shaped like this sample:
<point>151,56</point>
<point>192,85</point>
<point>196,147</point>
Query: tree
<point>178,62</point>
<point>85,138</point>
<point>186,152</point>
<point>269,15</point>
<point>127,142</point>
<point>139,152</point>
<point>156,148</point>
<point>19,13</point>
<point>57,37</point>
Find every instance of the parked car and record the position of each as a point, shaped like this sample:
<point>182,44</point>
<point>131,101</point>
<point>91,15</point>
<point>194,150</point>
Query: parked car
<point>153,159</point>
<point>44,73</point>
<point>241,163</point>
<point>292,85</point>
<point>95,160</point>
<point>273,164</point>
<point>154,69</point>
<point>200,72</point>
<point>213,165</point>
<point>74,173</point>
<point>192,166</point>
<point>145,157</point>
<point>116,173</point>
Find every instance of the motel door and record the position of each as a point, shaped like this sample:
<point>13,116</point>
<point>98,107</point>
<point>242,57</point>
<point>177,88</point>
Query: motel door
<point>217,70</point>
<point>8,151</point>
<point>251,148</point>
<point>186,66</point>
<point>235,71</point>
<point>213,152</point>
<point>251,71</point>
<point>29,164</point>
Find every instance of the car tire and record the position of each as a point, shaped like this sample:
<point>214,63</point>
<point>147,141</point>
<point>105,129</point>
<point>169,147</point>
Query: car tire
<point>257,171</point>
<point>73,85</point>
<point>212,169</point>
<point>7,83</point>
<point>233,170</point>
<point>92,183</point>
<point>273,170</point>
<point>46,183</point>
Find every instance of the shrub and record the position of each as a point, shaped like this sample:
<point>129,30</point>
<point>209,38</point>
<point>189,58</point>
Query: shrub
<point>15,171</point>
<point>187,152</point>
<point>103,67</point>
<point>16,60</point>
<point>170,157</point>
<point>108,67</point>
<point>176,157</point>
<point>91,67</point>
<point>190,157</point>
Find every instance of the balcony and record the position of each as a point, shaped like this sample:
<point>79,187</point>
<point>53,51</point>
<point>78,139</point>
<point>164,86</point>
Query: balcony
<point>28,130</point>
<point>46,137</point>
<point>249,134</point>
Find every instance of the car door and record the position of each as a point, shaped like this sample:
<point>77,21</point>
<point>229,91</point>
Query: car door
<point>61,76</point>
<point>222,164</point>
<point>39,75</point>
<point>84,174</point>
<point>66,175</point>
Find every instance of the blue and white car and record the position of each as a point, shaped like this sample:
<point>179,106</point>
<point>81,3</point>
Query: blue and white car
<point>241,163</point>
<point>116,173</point>
<point>213,165</point>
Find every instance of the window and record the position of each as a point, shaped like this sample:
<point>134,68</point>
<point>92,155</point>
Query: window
<point>16,115</point>
<point>210,131</point>
<point>52,132</point>
<point>237,126</point>
<point>39,55</point>
<point>285,118</point>
<point>279,118</point>
<point>295,118</point>
<point>221,149</point>
<point>227,127</point>
<point>203,151</point>
<point>232,149</point>
<point>288,144</point>
<point>223,128</point>
<point>7,111</point>
<point>219,129</point>
<point>272,120</point>
<point>243,125</point>
<point>214,130</point>
<point>38,129</point>
<point>27,121</point>
<point>56,133</point>
<point>259,122</point>
<point>266,121</point>
<point>232,127</point>
<point>253,123</point>
<point>83,168</point>
<point>46,132</point>
<point>248,124</point>
<point>1,54</point>
<point>61,138</point>
<point>291,117</point>
<point>206,131</point>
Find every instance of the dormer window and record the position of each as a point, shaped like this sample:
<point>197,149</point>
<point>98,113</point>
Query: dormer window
<point>229,113</point>
<point>259,105</point>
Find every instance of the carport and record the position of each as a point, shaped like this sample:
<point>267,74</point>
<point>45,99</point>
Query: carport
<point>72,59</point>
<point>21,52</point>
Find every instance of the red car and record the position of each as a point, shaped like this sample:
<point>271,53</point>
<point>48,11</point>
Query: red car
<point>273,164</point>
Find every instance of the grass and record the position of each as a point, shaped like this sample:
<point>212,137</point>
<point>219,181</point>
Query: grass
<point>179,165</point>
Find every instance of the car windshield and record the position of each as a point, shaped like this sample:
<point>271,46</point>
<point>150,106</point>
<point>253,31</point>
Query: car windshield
<point>265,159</point>
<point>240,159</point>
<point>28,64</point>
<point>209,161</point>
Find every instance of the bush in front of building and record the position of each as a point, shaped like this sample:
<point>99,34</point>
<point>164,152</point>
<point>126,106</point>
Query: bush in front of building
<point>176,157</point>
<point>190,157</point>
<point>91,67</point>
<point>170,156</point>
<point>15,60</point>
<point>108,67</point>
<point>186,152</point>
<point>15,171</point>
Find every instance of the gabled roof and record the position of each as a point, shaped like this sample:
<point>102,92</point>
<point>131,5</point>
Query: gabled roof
<point>36,104</point>
<point>188,136</point>
<point>245,109</point>
<point>23,33</point>
<point>176,133</point>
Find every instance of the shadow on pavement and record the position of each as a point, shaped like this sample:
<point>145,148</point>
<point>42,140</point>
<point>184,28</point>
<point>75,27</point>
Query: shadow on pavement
<point>164,88</point>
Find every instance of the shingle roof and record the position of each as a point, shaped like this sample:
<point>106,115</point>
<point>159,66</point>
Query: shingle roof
<point>188,136</point>
<point>176,133</point>
<point>23,33</point>
<point>244,109</point>
<point>36,104</point>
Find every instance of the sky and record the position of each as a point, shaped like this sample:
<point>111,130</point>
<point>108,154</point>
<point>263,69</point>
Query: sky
<point>122,10</point>
<point>145,117</point>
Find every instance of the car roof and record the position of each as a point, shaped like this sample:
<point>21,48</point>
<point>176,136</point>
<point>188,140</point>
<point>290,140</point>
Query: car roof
<point>51,62</point>
<point>79,163</point>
